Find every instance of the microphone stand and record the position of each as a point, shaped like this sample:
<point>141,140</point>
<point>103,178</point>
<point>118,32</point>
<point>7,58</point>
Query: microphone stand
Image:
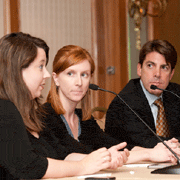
<point>174,169</point>
<point>153,87</point>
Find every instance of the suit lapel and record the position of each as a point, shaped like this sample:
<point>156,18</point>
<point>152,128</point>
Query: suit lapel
<point>171,106</point>
<point>138,102</point>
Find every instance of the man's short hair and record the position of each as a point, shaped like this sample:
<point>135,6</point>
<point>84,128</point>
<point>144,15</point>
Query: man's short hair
<point>163,47</point>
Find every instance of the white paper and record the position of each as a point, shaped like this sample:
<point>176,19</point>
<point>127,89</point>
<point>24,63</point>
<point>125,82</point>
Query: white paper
<point>95,175</point>
<point>137,165</point>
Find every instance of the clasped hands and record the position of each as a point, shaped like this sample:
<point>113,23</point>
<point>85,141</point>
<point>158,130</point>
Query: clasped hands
<point>118,158</point>
<point>111,158</point>
<point>104,158</point>
<point>162,153</point>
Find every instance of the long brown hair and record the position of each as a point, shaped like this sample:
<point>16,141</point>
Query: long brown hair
<point>66,57</point>
<point>18,51</point>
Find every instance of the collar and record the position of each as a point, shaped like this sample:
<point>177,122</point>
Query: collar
<point>150,97</point>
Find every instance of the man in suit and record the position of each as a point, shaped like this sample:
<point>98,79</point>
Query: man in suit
<point>156,65</point>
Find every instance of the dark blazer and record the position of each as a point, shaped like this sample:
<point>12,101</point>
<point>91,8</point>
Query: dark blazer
<point>123,124</point>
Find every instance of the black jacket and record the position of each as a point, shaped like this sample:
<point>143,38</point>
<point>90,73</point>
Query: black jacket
<point>122,123</point>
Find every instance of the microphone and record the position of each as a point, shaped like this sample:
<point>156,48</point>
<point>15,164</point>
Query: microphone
<point>155,87</point>
<point>175,169</point>
<point>96,87</point>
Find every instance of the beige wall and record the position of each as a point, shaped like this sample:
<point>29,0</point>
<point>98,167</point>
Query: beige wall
<point>58,22</point>
<point>1,19</point>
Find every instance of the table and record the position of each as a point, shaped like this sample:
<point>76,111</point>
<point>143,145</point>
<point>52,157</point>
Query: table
<point>132,172</point>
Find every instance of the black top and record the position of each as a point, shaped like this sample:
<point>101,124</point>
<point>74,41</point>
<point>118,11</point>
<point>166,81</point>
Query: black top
<point>122,123</point>
<point>22,156</point>
<point>48,145</point>
<point>91,138</point>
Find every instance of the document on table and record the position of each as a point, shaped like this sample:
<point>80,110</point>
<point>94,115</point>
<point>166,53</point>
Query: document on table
<point>136,165</point>
<point>95,175</point>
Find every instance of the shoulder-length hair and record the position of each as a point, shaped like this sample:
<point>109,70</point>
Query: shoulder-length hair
<point>66,57</point>
<point>18,51</point>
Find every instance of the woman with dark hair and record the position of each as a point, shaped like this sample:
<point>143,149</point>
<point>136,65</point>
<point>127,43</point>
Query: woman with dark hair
<point>76,129</point>
<point>25,153</point>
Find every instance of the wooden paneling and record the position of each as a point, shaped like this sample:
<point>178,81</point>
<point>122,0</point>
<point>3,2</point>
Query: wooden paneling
<point>110,18</point>
<point>10,16</point>
<point>14,15</point>
<point>167,27</point>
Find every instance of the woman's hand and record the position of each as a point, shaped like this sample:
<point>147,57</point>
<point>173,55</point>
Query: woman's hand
<point>118,158</point>
<point>95,161</point>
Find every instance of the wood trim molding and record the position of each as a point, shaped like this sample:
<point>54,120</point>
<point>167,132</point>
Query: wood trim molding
<point>153,24</point>
<point>14,15</point>
<point>94,50</point>
<point>11,16</point>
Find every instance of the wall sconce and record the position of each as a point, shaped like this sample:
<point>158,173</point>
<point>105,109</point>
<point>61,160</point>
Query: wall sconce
<point>141,8</point>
